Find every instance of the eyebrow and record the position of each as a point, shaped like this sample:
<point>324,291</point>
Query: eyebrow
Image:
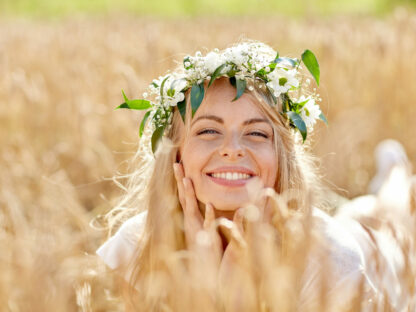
<point>221,121</point>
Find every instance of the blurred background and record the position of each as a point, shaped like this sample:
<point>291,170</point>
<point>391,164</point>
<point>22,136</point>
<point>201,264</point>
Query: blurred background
<point>63,65</point>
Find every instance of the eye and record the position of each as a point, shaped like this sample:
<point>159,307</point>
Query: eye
<point>207,131</point>
<point>257,133</point>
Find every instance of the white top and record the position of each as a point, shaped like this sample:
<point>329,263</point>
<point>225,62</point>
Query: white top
<point>346,258</point>
<point>120,249</point>
<point>348,247</point>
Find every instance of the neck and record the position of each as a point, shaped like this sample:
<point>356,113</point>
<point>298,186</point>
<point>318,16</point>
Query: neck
<point>229,214</point>
<point>224,214</point>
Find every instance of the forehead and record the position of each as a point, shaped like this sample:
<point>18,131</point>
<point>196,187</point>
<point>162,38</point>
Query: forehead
<point>218,101</point>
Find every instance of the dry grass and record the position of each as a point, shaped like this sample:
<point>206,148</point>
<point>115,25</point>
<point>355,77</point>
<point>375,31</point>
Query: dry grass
<point>60,138</point>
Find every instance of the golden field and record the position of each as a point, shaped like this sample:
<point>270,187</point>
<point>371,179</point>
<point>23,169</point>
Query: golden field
<point>61,141</point>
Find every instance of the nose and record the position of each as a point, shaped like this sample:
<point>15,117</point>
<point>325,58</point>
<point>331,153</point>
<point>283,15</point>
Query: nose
<point>232,148</point>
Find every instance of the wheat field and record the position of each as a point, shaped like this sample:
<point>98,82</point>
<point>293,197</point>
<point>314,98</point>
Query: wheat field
<point>61,141</point>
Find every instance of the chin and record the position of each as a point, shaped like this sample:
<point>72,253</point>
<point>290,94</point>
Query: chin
<point>223,200</point>
<point>228,205</point>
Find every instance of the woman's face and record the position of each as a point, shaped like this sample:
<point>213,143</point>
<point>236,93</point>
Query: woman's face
<point>229,144</point>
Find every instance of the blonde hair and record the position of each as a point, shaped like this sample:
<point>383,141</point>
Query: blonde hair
<point>152,187</point>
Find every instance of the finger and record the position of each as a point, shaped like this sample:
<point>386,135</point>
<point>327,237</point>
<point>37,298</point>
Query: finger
<point>238,219</point>
<point>268,211</point>
<point>254,187</point>
<point>235,231</point>
<point>211,229</point>
<point>191,205</point>
<point>209,216</point>
<point>178,172</point>
<point>261,204</point>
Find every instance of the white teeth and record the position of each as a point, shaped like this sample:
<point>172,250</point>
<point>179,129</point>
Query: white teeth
<point>231,175</point>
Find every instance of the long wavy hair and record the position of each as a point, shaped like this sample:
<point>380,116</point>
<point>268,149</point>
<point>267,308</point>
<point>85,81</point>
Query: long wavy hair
<point>152,187</point>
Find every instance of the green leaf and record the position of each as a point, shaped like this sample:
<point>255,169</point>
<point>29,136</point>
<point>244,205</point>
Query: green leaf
<point>216,73</point>
<point>156,136</point>
<point>231,73</point>
<point>135,104</point>
<point>241,86</point>
<point>277,56</point>
<point>301,104</point>
<point>162,85</point>
<point>182,109</point>
<point>143,123</point>
<point>311,64</point>
<point>261,73</point>
<point>323,118</point>
<point>233,82</point>
<point>197,95</point>
<point>292,62</point>
<point>154,84</point>
<point>124,96</point>
<point>298,123</point>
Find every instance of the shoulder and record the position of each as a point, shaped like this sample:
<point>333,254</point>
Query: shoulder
<point>132,228</point>
<point>119,249</point>
<point>336,257</point>
<point>340,245</point>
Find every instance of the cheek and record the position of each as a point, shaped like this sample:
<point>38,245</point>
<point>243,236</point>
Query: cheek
<point>268,166</point>
<point>194,156</point>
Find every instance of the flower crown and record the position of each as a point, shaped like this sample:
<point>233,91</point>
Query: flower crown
<point>248,60</point>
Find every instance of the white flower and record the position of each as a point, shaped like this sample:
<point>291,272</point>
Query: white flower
<point>238,54</point>
<point>212,61</point>
<point>179,84</point>
<point>310,112</point>
<point>282,80</point>
<point>175,99</point>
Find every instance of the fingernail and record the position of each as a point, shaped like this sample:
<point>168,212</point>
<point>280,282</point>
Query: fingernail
<point>185,181</point>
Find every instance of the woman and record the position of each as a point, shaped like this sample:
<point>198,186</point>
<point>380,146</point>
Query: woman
<point>223,211</point>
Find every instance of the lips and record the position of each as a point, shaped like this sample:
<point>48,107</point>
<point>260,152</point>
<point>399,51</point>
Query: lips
<point>231,175</point>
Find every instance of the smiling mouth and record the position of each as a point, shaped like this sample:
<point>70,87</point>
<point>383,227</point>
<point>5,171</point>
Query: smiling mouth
<point>230,176</point>
<point>230,179</point>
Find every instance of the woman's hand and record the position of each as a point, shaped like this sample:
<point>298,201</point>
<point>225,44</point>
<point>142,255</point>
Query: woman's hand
<point>235,248</point>
<point>235,274</point>
<point>200,233</point>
